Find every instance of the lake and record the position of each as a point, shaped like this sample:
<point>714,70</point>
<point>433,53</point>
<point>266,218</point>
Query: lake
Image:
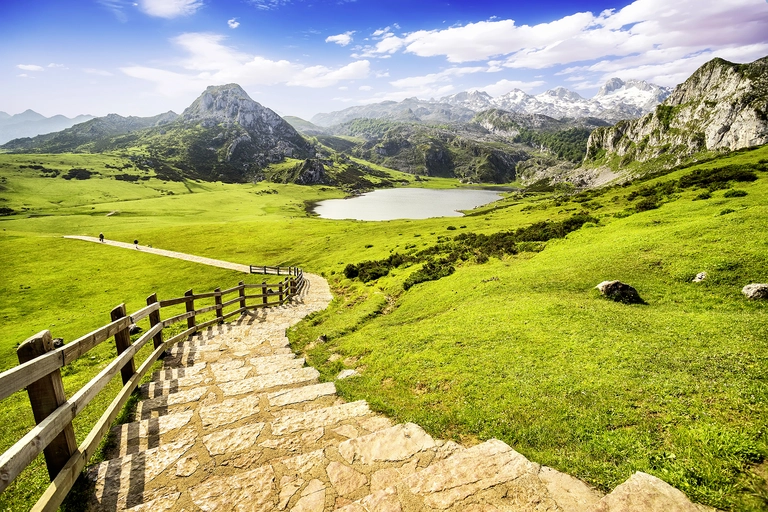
<point>405,203</point>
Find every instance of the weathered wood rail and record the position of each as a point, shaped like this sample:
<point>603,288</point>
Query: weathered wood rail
<point>39,371</point>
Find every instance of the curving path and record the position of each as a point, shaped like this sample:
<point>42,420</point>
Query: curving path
<point>168,254</point>
<point>236,421</point>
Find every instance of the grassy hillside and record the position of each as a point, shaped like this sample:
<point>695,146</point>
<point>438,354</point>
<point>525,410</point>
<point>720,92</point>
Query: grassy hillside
<point>520,347</point>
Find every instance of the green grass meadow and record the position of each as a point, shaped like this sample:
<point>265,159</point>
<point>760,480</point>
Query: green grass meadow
<point>520,348</point>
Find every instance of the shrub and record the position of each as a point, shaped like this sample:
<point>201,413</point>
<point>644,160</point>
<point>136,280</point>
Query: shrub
<point>717,178</point>
<point>649,203</point>
<point>451,228</point>
<point>703,195</point>
<point>431,271</point>
<point>735,193</point>
<point>78,174</point>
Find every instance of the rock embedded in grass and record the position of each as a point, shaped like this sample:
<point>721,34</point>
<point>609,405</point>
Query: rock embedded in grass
<point>701,276</point>
<point>756,291</point>
<point>620,292</point>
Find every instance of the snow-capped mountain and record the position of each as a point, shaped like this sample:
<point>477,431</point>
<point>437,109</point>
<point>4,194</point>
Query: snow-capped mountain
<point>616,100</point>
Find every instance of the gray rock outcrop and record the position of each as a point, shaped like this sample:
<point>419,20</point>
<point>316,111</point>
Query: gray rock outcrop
<point>723,106</point>
<point>620,292</point>
<point>756,291</point>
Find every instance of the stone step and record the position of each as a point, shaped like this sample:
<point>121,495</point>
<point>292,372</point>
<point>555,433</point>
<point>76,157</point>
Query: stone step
<point>128,481</point>
<point>167,387</point>
<point>163,404</point>
<point>268,381</point>
<point>178,373</point>
<point>644,493</point>
<point>490,476</point>
<point>293,422</point>
<point>145,434</point>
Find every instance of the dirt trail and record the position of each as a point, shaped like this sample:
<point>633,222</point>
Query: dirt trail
<point>169,254</point>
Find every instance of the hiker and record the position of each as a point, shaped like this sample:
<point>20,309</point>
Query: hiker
<point>136,244</point>
<point>101,237</point>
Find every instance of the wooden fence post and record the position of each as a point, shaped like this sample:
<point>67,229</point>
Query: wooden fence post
<point>190,308</point>
<point>241,284</point>
<point>123,342</point>
<point>219,310</point>
<point>154,319</point>
<point>46,395</point>
<point>264,298</point>
<point>280,291</point>
<point>293,287</point>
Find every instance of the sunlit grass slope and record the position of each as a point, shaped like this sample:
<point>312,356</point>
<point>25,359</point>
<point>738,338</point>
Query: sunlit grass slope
<point>521,348</point>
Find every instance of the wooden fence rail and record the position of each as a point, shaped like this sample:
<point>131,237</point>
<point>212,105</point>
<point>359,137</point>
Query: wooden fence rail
<point>39,372</point>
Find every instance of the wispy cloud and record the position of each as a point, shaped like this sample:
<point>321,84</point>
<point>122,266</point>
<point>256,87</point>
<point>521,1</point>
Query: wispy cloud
<point>505,86</point>
<point>233,23</point>
<point>30,67</point>
<point>98,72</point>
<point>268,5</point>
<point>433,78</point>
<point>210,61</point>
<point>116,7</point>
<point>340,39</point>
<point>55,65</point>
<point>170,8</point>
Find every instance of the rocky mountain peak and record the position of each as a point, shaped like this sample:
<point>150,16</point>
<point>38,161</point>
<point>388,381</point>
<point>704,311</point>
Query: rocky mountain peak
<point>611,85</point>
<point>722,106</point>
<point>229,105</point>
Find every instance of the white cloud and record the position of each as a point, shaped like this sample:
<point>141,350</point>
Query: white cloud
<point>170,8</point>
<point>365,88</point>
<point>99,72</point>
<point>24,75</point>
<point>340,39</point>
<point>233,23</point>
<point>30,67</point>
<point>505,86</point>
<point>649,39</point>
<point>54,65</point>
<point>209,61</point>
<point>321,76</point>
<point>432,78</point>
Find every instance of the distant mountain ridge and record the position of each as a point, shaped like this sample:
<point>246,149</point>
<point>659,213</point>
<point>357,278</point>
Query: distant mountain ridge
<point>82,134</point>
<point>222,135</point>
<point>29,124</point>
<point>616,100</point>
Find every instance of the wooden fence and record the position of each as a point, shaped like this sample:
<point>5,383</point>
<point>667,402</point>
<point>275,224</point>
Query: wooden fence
<point>39,371</point>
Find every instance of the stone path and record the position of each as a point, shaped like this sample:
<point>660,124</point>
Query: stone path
<point>169,254</point>
<point>235,421</point>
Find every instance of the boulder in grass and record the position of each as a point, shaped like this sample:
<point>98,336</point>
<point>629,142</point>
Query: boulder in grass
<point>620,292</point>
<point>756,291</point>
<point>700,277</point>
<point>58,342</point>
<point>134,329</point>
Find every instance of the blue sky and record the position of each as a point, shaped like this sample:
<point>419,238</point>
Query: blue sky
<point>301,57</point>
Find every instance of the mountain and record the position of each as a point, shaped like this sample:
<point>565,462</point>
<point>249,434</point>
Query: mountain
<point>408,110</point>
<point>722,106</point>
<point>222,135</point>
<point>87,136</point>
<point>616,100</point>
<point>29,124</point>
<point>305,127</point>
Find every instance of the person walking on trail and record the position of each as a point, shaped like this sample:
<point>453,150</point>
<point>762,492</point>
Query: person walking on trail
<point>136,244</point>
<point>101,237</point>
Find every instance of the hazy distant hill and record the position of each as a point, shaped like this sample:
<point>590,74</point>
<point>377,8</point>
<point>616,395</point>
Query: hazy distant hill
<point>29,124</point>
